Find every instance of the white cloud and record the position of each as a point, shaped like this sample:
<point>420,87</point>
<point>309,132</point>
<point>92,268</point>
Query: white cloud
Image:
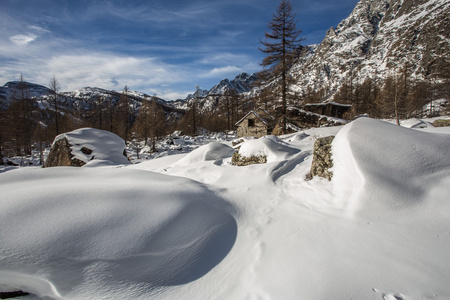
<point>223,71</point>
<point>110,71</point>
<point>23,39</point>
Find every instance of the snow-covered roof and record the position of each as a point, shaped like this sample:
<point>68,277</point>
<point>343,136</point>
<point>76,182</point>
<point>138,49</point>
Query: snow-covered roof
<point>326,103</point>
<point>257,115</point>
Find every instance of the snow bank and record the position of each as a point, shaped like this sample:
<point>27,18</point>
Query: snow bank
<point>107,233</point>
<point>105,145</point>
<point>270,146</point>
<point>377,163</point>
<point>415,123</point>
<point>213,151</point>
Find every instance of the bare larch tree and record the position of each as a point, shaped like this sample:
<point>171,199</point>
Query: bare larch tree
<point>281,44</point>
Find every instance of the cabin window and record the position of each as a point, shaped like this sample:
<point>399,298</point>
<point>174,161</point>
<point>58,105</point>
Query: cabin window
<point>251,123</point>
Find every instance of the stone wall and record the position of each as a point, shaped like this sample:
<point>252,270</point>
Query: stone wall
<point>252,126</point>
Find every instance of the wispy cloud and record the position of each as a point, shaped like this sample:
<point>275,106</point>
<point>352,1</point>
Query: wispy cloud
<point>38,29</point>
<point>23,39</point>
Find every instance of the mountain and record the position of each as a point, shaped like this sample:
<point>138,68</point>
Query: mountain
<point>209,100</point>
<point>243,83</point>
<point>378,39</point>
<point>85,100</point>
<point>33,90</point>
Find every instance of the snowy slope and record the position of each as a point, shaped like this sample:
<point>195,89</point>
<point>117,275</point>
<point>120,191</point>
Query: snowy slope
<point>378,230</point>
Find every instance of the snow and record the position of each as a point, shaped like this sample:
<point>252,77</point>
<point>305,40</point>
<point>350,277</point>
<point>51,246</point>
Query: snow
<point>192,226</point>
<point>94,233</point>
<point>213,151</point>
<point>383,177</point>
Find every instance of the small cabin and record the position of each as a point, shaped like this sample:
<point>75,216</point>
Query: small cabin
<point>256,123</point>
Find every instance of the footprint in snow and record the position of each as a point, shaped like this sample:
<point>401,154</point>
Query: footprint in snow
<point>393,297</point>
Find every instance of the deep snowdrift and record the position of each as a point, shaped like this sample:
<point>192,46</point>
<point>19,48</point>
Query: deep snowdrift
<point>100,232</point>
<point>389,165</point>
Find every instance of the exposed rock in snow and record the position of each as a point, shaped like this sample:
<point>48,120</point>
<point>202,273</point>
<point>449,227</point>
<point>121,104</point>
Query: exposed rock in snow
<point>441,123</point>
<point>322,160</point>
<point>61,155</point>
<point>239,160</point>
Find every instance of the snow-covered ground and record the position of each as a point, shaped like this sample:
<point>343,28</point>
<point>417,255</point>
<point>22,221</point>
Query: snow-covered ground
<point>192,226</point>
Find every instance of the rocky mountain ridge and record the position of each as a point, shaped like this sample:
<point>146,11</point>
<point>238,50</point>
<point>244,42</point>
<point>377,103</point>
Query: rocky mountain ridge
<point>380,38</point>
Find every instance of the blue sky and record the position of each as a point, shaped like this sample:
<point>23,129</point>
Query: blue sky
<point>162,47</point>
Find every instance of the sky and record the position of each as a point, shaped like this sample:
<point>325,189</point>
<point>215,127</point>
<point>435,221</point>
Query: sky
<point>160,47</point>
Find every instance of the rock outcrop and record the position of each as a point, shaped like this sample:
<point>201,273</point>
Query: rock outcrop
<point>61,155</point>
<point>322,161</point>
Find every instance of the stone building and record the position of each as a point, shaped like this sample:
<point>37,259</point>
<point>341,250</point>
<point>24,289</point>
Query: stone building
<point>256,123</point>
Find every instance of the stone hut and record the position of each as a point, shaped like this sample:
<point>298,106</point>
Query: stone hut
<point>256,123</point>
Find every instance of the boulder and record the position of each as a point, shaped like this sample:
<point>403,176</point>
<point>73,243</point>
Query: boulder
<point>322,161</point>
<point>79,147</point>
<point>61,155</point>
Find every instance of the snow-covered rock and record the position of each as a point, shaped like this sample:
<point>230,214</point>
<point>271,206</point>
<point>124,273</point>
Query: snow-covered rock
<point>213,151</point>
<point>270,147</point>
<point>86,146</point>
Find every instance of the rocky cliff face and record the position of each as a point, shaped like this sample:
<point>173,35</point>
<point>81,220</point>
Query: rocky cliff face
<point>378,39</point>
<point>241,84</point>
